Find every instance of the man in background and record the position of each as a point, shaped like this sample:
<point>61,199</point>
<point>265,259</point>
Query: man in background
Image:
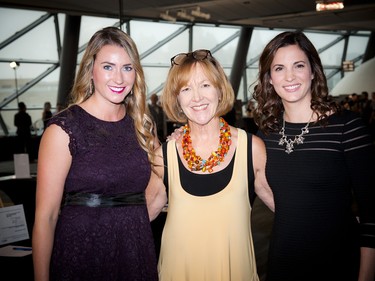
<point>158,115</point>
<point>22,120</point>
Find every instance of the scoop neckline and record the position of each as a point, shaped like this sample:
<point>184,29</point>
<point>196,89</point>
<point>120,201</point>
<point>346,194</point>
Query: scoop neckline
<point>98,119</point>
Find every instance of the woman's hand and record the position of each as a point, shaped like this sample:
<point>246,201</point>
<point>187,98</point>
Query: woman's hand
<point>177,133</point>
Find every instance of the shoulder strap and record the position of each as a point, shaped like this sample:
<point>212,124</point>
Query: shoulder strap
<point>165,162</point>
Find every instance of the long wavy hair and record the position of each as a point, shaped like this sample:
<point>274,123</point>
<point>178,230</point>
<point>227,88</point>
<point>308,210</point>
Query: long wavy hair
<point>179,76</point>
<point>135,102</point>
<point>269,109</point>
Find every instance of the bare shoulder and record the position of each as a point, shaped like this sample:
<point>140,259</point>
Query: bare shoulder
<point>233,131</point>
<point>258,142</point>
<point>258,149</point>
<point>54,137</point>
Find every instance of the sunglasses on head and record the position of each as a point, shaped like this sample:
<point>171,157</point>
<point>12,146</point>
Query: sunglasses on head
<point>198,55</point>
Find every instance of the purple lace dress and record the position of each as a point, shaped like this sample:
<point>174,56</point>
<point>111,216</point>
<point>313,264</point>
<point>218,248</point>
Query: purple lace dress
<point>103,243</point>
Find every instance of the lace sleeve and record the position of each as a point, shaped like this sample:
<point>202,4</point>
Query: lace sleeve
<point>66,121</point>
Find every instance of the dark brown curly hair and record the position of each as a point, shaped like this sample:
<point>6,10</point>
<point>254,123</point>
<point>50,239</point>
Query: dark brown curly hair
<point>269,109</point>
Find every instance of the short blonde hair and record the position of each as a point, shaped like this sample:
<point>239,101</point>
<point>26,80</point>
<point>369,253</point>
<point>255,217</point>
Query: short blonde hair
<point>178,77</point>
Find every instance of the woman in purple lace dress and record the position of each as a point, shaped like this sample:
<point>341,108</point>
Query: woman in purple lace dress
<point>91,220</point>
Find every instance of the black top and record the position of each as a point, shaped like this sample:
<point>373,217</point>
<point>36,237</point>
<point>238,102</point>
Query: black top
<point>315,234</point>
<point>201,184</point>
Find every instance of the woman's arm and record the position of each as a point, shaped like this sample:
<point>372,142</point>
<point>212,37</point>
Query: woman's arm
<point>54,161</point>
<point>262,189</point>
<point>360,154</point>
<point>367,268</point>
<point>156,196</point>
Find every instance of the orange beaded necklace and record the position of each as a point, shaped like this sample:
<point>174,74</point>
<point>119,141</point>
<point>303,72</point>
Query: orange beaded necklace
<point>195,162</point>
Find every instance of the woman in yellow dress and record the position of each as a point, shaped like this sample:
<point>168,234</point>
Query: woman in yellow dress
<point>211,171</point>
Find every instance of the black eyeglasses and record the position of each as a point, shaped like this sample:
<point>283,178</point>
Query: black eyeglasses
<point>198,55</point>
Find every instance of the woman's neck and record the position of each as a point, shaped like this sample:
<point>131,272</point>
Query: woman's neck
<point>204,132</point>
<point>297,113</point>
<point>106,112</point>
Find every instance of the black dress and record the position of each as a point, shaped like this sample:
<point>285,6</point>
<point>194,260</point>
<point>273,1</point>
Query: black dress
<point>316,235</point>
<point>103,243</point>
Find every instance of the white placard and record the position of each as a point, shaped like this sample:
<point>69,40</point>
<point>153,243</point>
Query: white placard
<point>13,225</point>
<point>15,251</point>
<point>21,165</point>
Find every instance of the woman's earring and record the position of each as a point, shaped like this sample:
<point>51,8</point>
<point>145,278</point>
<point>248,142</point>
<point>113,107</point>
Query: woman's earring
<point>92,87</point>
<point>180,111</point>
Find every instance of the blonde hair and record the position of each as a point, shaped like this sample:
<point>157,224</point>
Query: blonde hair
<point>178,77</point>
<point>135,102</point>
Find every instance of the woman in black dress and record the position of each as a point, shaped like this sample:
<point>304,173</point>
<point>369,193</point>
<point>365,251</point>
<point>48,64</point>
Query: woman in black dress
<point>320,166</point>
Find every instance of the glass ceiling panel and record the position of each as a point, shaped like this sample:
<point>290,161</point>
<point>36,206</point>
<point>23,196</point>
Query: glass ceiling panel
<point>259,39</point>
<point>37,44</point>
<point>356,47</point>
<point>333,55</point>
<point>89,25</point>
<point>12,20</point>
<point>40,44</point>
<point>147,40</point>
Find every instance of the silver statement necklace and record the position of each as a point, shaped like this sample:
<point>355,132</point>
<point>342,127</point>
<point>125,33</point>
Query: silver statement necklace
<point>289,148</point>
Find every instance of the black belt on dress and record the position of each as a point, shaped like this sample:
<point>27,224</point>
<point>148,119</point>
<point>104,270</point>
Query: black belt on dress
<point>100,200</point>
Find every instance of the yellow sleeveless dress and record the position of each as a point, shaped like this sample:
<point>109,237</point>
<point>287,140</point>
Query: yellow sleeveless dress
<point>208,238</point>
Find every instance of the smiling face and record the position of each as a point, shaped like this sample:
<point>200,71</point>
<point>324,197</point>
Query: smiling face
<point>291,75</point>
<point>199,98</point>
<point>113,74</point>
